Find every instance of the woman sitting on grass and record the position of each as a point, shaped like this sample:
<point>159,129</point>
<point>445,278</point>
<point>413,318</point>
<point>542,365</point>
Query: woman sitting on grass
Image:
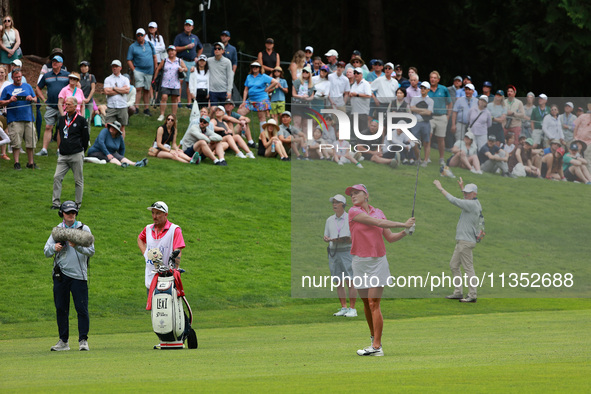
<point>110,146</point>
<point>228,136</point>
<point>269,143</point>
<point>465,154</point>
<point>165,146</point>
<point>552,165</point>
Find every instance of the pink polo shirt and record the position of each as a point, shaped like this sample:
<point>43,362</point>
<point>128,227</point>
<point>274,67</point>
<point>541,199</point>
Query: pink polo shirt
<point>367,240</point>
<point>178,242</point>
<point>67,92</point>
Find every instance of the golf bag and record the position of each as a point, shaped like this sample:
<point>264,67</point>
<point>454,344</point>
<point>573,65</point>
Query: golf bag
<point>167,301</point>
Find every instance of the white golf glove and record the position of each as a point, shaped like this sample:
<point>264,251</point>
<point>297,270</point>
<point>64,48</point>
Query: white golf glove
<point>410,230</point>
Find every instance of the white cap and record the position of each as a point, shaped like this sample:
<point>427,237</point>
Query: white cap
<point>255,64</point>
<point>309,48</point>
<point>332,52</point>
<point>153,24</point>
<point>484,97</point>
<point>202,57</point>
<point>221,108</point>
<point>470,187</point>
<point>470,135</point>
<point>116,63</point>
<point>469,86</point>
<point>339,198</point>
<point>358,70</point>
<point>159,205</point>
<point>17,63</point>
<point>426,84</point>
<point>389,64</point>
<point>140,30</point>
<point>543,96</point>
<point>567,103</point>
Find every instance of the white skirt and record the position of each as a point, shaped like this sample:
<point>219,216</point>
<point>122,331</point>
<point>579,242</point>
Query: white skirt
<point>371,272</point>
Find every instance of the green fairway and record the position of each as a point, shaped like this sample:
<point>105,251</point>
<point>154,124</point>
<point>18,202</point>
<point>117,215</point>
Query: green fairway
<point>528,351</point>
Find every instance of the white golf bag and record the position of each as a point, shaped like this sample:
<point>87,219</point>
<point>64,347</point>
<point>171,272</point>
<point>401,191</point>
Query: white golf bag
<point>169,320</point>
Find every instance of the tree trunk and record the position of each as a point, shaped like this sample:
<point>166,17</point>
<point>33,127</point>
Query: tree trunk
<point>100,63</point>
<point>120,32</point>
<point>141,14</point>
<point>161,13</point>
<point>296,27</point>
<point>377,33</point>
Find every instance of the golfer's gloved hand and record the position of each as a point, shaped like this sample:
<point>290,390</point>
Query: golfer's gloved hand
<point>410,230</point>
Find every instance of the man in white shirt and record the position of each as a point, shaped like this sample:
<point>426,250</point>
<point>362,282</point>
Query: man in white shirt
<point>360,96</point>
<point>339,87</point>
<point>116,88</point>
<point>384,89</point>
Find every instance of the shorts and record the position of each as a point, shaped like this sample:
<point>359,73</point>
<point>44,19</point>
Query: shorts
<point>51,116</point>
<point>217,98</point>
<point>340,264</point>
<point>22,131</point>
<point>190,64</point>
<point>569,175</point>
<point>189,151</point>
<point>439,125</point>
<point>118,114</point>
<point>142,80</point>
<point>537,136</point>
<point>422,131</point>
<point>277,107</point>
<point>259,106</point>
<point>169,92</point>
<point>101,156</point>
<point>370,272</point>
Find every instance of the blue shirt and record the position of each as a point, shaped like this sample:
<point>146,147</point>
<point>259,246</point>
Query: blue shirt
<point>371,76</point>
<point>106,144</point>
<point>463,109</point>
<point>278,94</point>
<point>55,83</point>
<point>19,110</point>
<point>256,87</point>
<point>181,40</point>
<point>142,56</point>
<point>440,99</point>
<point>482,152</point>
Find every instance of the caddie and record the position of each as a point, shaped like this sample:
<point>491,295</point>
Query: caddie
<point>70,273</point>
<point>163,235</point>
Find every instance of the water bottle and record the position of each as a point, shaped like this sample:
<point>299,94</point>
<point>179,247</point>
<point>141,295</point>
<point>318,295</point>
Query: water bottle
<point>273,147</point>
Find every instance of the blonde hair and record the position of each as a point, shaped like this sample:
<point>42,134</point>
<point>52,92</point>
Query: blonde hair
<point>298,58</point>
<point>2,66</point>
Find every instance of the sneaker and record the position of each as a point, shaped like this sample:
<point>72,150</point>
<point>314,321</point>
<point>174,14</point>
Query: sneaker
<point>352,313</point>
<point>441,162</point>
<point>240,155</point>
<point>124,165</point>
<point>468,299</point>
<point>60,346</point>
<point>84,345</point>
<point>250,155</point>
<point>17,166</point>
<point>479,172</point>
<point>393,163</point>
<point>370,351</point>
<point>5,157</point>
<point>33,166</point>
<point>454,297</point>
<point>405,161</point>
<point>55,207</point>
<point>428,161</point>
<point>300,157</point>
<point>342,312</point>
<point>424,164</point>
<point>42,152</point>
<point>160,118</point>
<point>222,163</point>
<point>142,163</point>
<point>190,106</point>
<point>137,111</point>
<point>196,159</point>
<point>473,170</point>
<point>411,161</point>
<point>285,159</point>
<point>252,145</point>
<point>359,165</point>
<point>148,113</point>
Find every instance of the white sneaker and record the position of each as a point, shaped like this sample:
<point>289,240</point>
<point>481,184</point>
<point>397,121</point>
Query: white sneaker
<point>342,312</point>
<point>84,345</point>
<point>60,346</point>
<point>473,170</point>
<point>160,118</point>
<point>352,313</point>
<point>370,351</point>
<point>250,155</point>
<point>359,165</point>
<point>240,155</point>
<point>42,152</point>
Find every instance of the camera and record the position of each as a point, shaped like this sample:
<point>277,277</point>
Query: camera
<point>57,273</point>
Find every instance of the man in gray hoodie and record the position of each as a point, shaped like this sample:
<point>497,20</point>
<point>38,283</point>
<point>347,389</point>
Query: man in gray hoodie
<point>70,275</point>
<point>466,233</point>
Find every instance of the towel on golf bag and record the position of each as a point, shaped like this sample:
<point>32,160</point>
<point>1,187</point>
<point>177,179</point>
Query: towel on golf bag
<point>177,282</point>
<point>74,235</point>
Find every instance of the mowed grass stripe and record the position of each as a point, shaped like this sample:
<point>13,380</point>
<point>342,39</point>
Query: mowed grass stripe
<point>502,351</point>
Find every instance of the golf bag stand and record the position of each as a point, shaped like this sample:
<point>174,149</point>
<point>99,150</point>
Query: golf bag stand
<point>169,320</point>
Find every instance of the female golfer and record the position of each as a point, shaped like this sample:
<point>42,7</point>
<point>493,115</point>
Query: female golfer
<point>370,267</point>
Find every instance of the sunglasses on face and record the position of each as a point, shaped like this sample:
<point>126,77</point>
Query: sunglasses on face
<point>217,48</point>
<point>7,20</point>
<point>356,73</point>
<point>387,68</point>
<point>139,35</point>
<point>170,120</point>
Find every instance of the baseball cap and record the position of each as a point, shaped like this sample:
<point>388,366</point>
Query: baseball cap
<point>332,52</point>
<point>425,85</point>
<point>58,59</point>
<point>171,47</point>
<point>468,78</point>
<point>554,141</point>
<point>220,44</point>
<point>286,113</point>
<point>573,146</point>
<point>307,68</point>
<point>567,103</point>
<point>339,198</point>
<point>205,119</point>
<point>389,64</point>
<point>17,63</point>
<point>140,31</point>
<point>470,135</point>
<point>470,188</point>
<point>469,86</point>
<point>153,24</point>
<point>358,70</point>
<point>84,63</point>
<point>487,84</point>
<point>68,206</point>
<point>529,141</point>
<point>309,48</point>
<point>202,57</point>
<point>341,64</point>
<point>325,68</point>
<point>116,63</point>
<point>269,41</point>
<point>458,78</point>
<point>500,92</point>
<point>560,151</point>
<point>483,97</point>
<point>159,205</point>
<point>530,94</point>
<point>378,62</point>
<point>221,108</point>
<point>543,96</point>
<point>359,186</point>
<point>228,101</point>
<point>492,138</point>
<point>226,33</point>
<point>189,22</point>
